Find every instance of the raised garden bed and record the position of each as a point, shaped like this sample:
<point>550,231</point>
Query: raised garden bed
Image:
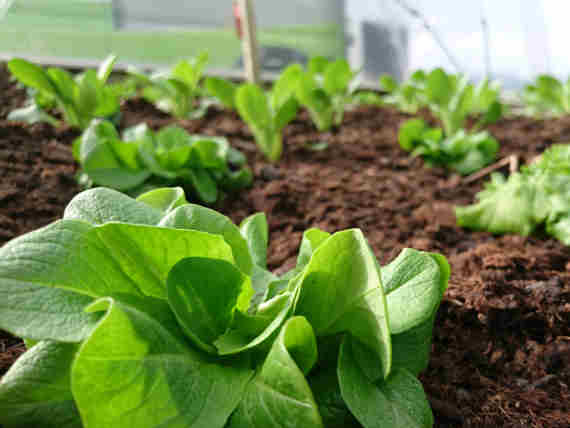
<point>501,347</point>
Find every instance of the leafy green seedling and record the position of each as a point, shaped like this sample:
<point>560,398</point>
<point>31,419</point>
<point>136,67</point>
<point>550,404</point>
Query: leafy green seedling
<point>223,90</point>
<point>142,159</point>
<point>409,96</point>
<point>268,113</point>
<point>325,89</point>
<point>155,312</point>
<point>80,99</point>
<point>547,96</point>
<point>538,195</point>
<point>452,98</point>
<point>174,91</point>
<point>461,152</point>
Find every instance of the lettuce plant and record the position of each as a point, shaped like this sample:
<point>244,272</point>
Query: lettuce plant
<point>547,96</point>
<point>461,152</point>
<point>538,195</point>
<point>451,98</point>
<point>154,312</point>
<point>324,90</point>
<point>407,97</point>
<point>174,91</point>
<point>268,113</point>
<point>80,99</point>
<point>141,159</point>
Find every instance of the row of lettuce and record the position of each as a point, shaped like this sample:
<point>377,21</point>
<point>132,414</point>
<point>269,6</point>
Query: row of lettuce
<point>140,159</point>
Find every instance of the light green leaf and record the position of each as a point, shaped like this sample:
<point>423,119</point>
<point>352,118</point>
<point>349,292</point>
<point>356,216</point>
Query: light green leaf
<point>414,283</point>
<point>285,86</point>
<point>162,381</point>
<point>105,260</point>
<point>101,205</point>
<point>337,77</point>
<point>105,68</point>
<point>504,207</point>
<point>31,75</point>
<point>165,199</point>
<point>253,106</point>
<point>410,133</point>
<point>203,294</point>
<point>255,231</point>
<point>38,313</point>
<point>396,402</point>
<point>36,391</point>
<point>312,239</point>
<point>286,113</point>
<point>222,89</point>
<point>196,217</point>
<point>248,331</point>
<point>279,394</point>
<point>341,291</point>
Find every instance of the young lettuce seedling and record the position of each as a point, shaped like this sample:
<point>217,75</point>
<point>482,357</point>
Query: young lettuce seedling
<point>407,97</point>
<point>80,99</point>
<point>142,159</point>
<point>538,195</point>
<point>325,90</point>
<point>223,90</point>
<point>268,113</point>
<point>451,98</point>
<point>155,312</point>
<point>174,91</point>
<point>548,96</point>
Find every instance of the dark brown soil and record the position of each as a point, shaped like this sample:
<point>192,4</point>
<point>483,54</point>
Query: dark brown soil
<point>501,353</point>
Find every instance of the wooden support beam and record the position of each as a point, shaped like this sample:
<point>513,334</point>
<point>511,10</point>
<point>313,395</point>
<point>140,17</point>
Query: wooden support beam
<point>249,41</point>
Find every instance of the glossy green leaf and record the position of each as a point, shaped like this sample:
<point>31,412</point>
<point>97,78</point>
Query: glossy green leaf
<point>397,401</point>
<point>105,68</point>
<point>253,106</point>
<point>285,86</point>
<point>337,77</point>
<point>203,294</point>
<point>222,89</point>
<point>164,200</point>
<point>312,239</point>
<point>105,260</point>
<point>31,75</point>
<point>196,217</point>
<point>255,231</point>
<point>102,205</point>
<point>39,313</point>
<point>414,283</point>
<point>162,381</point>
<point>279,394</point>
<point>347,295</point>
<point>36,391</point>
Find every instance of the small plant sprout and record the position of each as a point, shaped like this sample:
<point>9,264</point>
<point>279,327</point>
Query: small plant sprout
<point>267,113</point>
<point>80,99</point>
<point>175,91</point>
<point>140,160</point>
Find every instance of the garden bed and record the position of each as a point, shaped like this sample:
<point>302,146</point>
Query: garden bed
<point>501,352</point>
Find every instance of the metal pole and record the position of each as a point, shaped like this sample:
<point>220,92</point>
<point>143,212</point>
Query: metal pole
<point>249,41</point>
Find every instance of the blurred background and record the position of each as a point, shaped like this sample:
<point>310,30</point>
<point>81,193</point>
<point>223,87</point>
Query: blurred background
<point>510,40</point>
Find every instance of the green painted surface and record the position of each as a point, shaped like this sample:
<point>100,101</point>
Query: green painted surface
<point>83,30</point>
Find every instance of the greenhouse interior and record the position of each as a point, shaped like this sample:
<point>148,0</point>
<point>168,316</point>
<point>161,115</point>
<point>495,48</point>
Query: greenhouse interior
<point>256,213</point>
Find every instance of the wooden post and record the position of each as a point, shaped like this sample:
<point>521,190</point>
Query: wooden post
<point>249,41</point>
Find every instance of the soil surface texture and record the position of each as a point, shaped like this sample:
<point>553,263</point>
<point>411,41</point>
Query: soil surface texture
<point>501,346</point>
